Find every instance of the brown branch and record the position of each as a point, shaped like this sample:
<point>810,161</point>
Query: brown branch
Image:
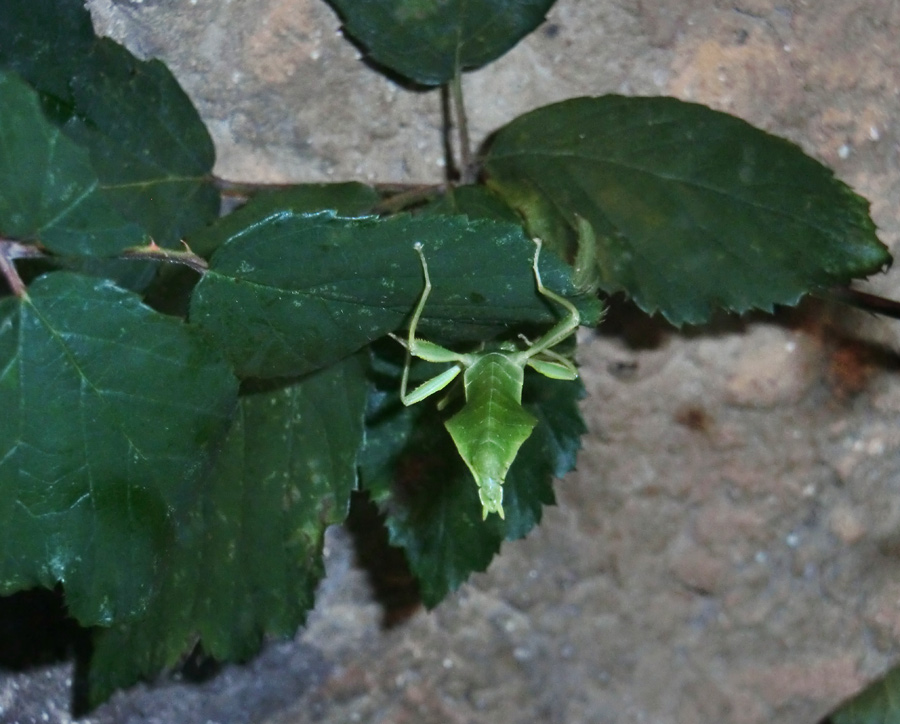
<point>152,252</point>
<point>467,169</point>
<point>245,189</point>
<point>863,300</point>
<point>11,250</point>
<point>410,197</point>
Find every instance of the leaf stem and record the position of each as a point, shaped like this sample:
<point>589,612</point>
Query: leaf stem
<point>152,252</point>
<point>467,170</point>
<point>9,251</point>
<point>243,190</point>
<point>451,167</point>
<point>865,301</point>
<point>407,198</point>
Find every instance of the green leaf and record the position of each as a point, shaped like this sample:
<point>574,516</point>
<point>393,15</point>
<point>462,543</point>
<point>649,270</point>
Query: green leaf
<point>129,274</point>
<point>251,564</point>
<point>48,190</point>
<point>429,41</point>
<point>41,39</point>
<point>110,415</point>
<point>344,199</point>
<point>683,208</point>
<point>293,293</point>
<point>148,146</point>
<point>412,470</point>
<point>878,703</point>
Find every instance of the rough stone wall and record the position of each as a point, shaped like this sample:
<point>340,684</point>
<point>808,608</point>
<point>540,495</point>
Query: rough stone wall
<point>728,549</point>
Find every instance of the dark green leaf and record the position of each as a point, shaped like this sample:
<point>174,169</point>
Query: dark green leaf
<point>294,292</point>
<point>683,208</point>
<point>48,190</point>
<point>250,567</point>
<point>148,146</point>
<point>110,415</point>
<point>549,453</point>
<point>414,473</point>
<point>41,38</point>
<point>344,199</point>
<point>129,274</point>
<point>878,703</point>
<point>428,41</point>
<point>430,499</point>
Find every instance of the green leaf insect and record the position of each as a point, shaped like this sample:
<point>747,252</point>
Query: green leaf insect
<point>492,425</point>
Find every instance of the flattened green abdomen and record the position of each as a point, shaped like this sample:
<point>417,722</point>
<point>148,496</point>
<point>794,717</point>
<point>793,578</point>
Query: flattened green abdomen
<point>492,425</point>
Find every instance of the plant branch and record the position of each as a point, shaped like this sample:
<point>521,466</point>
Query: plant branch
<point>451,167</point>
<point>8,270</point>
<point>467,165</point>
<point>865,301</point>
<point>152,252</point>
<point>246,189</point>
<point>406,198</point>
<point>11,250</point>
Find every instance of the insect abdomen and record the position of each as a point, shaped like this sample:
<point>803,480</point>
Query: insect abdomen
<point>492,425</point>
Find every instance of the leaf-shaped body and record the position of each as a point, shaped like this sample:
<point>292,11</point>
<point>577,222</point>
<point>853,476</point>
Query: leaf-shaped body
<point>492,425</point>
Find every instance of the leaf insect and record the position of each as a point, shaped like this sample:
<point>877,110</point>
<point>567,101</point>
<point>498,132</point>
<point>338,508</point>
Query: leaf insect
<point>492,424</point>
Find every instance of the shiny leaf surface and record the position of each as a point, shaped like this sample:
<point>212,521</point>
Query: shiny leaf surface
<point>293,293</point>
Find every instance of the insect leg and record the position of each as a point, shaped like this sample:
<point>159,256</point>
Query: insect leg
<point>428,351</point>
<point>562,329</point>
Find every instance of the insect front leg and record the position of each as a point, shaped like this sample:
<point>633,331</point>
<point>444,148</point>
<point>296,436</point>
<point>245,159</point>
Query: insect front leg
<point>428,351</point>
<point>562,329</point>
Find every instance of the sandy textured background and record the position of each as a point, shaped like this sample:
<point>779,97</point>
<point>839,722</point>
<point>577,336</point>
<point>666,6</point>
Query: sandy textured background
<point>729,549</point>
